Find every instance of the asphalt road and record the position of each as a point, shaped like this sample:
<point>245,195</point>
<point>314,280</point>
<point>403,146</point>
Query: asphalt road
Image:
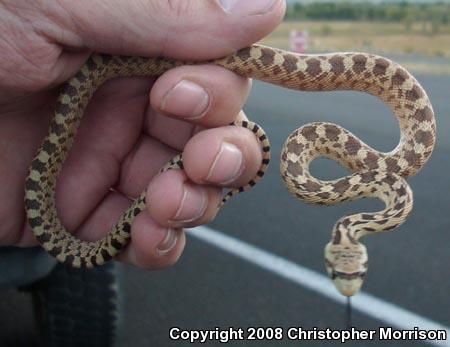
<point>408,267</point>
<point>209,288</point>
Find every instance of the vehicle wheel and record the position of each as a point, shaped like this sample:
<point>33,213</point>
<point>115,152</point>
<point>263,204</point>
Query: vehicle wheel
<point>78,307</point>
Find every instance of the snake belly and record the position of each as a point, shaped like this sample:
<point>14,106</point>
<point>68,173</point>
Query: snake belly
<point>375,174</point>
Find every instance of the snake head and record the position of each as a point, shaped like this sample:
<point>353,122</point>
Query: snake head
<point>346,264</point>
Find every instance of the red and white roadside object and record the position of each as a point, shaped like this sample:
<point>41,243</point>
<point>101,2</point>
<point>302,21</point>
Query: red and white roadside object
<point>299,41</point>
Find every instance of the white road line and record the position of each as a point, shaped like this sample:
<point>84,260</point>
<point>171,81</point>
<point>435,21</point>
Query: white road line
<point>370,305</point>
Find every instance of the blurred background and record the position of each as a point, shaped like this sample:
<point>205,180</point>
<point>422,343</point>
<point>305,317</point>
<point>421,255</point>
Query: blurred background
<point>260,263</point>
<point>417,33</point>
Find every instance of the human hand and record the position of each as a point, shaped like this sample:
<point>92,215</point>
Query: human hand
<point>132,126</point>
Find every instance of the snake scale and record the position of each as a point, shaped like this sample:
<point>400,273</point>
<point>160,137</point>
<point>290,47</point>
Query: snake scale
<point>375,174</point>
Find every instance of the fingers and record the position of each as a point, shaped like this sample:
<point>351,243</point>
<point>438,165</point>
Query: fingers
<point>174,201</point>
<point>228,156</point>
<point>184,29</point>
<point>207,95</point>
<point>152,246</point>
<point>185,198</point>
<point>193,97</point>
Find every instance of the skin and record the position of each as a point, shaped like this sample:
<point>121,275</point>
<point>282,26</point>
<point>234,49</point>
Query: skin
<point>132,125</point>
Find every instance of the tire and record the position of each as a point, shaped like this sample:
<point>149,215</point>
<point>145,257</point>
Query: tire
<point>77,307</point>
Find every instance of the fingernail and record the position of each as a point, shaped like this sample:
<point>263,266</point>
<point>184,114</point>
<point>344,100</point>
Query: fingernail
<point>193,204</point>
<point>169,242</point>
<point>247,7</point>
<point>187,99</point>
<point>227,165</point>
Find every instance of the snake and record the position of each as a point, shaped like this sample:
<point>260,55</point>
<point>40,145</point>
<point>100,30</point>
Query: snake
<point>373,173</point>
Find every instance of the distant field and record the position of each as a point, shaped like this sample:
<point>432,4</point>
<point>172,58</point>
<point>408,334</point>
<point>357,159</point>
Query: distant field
<point>374,37</point>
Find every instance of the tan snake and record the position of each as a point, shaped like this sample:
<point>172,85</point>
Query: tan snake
<point>375,174</point>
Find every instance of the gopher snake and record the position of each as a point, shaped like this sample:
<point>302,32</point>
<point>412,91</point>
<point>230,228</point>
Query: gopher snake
<point>375,174</point>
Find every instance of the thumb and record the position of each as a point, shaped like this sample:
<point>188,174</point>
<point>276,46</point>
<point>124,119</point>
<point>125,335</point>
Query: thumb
<point>181,29</point>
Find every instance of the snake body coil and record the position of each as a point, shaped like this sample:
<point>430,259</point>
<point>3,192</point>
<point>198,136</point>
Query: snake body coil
<point>375,174</point>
